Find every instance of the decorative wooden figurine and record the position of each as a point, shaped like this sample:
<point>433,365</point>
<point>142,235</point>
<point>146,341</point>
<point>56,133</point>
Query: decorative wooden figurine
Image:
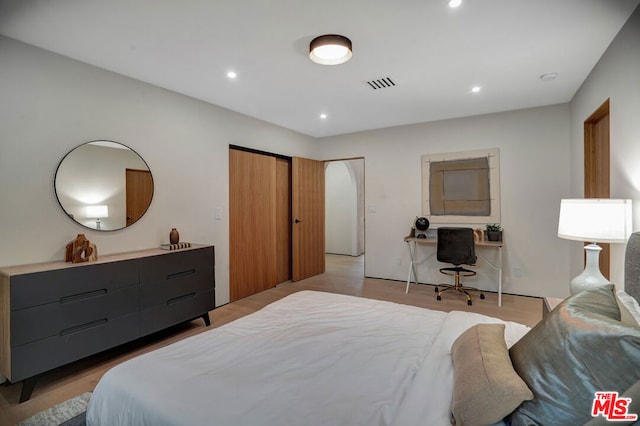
<point>80,250</point>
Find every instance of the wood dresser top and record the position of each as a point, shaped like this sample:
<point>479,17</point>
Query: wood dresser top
<point>8,271</point>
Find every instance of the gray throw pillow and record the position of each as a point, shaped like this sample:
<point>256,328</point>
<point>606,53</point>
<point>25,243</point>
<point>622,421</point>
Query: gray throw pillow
<point>579,349</point>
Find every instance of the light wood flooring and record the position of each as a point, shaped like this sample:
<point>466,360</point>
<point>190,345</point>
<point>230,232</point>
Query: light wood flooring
<point>344,274</point>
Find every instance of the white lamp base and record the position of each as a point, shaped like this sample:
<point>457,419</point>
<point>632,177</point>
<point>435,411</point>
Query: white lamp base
<point>591,276</point>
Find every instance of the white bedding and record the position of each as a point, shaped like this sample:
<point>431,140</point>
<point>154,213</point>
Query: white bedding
<point>311,358</point>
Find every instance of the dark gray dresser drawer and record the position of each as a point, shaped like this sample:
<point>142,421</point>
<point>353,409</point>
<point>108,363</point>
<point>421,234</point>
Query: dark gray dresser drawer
<point>168,291</point>
<point>174,265</point>
<point>40,288</point>
<point>168,279</point>
<point>162,316</point>
<point>60,318</point>
<point>46,354</point>
<point>175,288</point>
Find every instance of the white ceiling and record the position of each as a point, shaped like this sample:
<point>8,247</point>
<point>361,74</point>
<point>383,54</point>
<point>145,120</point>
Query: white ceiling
<point>433,53</point>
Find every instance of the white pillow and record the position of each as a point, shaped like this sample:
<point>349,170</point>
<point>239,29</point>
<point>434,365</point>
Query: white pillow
<point>629,309</point>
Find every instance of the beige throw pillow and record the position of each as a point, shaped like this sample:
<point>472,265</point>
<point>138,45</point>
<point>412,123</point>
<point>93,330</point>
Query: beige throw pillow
<point>486,387</point>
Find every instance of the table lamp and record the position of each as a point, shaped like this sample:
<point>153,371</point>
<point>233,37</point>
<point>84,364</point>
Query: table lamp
<point>99,211</point>
<point>594,220</point>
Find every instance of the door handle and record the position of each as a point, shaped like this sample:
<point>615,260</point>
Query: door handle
<point>296,221</point>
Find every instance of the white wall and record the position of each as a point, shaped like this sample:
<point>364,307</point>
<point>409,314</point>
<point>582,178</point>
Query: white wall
<point>534,154</point>
<point>50,104</point>
<point>615,76</point>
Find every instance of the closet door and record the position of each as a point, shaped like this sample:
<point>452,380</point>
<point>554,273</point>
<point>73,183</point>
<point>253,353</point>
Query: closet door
<point>252,223</point>
<point>308,218</point>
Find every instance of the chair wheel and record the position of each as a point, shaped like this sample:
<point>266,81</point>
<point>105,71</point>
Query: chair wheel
<point>437,291</point>
<point>481,296</point>
<point>438,297</point>
<point>469,302</point>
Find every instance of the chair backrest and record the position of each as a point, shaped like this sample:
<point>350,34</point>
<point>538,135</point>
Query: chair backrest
<point>456,246</point>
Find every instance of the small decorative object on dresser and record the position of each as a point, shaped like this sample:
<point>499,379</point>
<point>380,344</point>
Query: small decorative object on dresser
<point>80,250</point>
<point>174,236</point>
<point>176,246</point>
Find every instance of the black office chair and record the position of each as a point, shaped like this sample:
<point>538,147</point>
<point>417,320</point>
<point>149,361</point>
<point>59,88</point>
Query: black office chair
<point>456,246</point>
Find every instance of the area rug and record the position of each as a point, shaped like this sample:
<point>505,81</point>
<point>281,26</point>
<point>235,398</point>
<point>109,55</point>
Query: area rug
<point>68,413</point>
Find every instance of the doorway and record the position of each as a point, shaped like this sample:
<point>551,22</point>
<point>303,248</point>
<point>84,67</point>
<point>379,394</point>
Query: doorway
<point>597,165</point>
<point>345,207</point>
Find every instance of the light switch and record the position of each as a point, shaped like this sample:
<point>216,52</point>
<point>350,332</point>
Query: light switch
<point>372,209</point>
<point>218,213</point>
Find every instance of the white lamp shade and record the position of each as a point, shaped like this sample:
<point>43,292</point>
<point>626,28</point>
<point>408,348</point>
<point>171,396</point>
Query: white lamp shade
<point>99,211</point>
<point>596,220</point>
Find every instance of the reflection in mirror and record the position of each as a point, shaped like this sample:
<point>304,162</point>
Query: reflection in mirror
<point>104,185</point>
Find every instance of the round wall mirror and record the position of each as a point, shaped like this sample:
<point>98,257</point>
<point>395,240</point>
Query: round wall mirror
<point>104,185</point>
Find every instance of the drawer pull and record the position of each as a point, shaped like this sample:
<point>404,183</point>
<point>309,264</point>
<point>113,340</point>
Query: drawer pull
<point>181,274</point>
<point>83,327</point>
<point>81,296</point>
<point>180,298</point>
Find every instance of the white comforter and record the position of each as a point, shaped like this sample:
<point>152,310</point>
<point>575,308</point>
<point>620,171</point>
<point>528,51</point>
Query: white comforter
<point>311,358</point>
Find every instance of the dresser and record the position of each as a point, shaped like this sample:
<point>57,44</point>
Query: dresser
<point>55,313</point>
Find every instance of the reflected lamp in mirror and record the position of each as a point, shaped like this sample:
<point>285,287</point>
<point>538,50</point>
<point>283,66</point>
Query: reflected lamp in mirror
<point>97,212</point>
<point>594,220</point>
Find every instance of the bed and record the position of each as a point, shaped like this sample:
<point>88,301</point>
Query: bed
<point>327,359</point>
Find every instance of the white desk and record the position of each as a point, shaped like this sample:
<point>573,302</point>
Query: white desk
<point>413,242</point>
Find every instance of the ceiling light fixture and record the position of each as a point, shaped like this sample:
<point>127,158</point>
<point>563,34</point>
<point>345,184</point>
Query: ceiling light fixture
<point>232,74</point>
<point>323,116</point>
<point>475,89</point>
<point>454,3</point>
<point>330,49</point>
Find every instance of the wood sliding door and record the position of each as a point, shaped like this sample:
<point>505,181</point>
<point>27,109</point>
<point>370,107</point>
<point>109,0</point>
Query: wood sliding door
<point>267,246</point>
<point>252,223</point>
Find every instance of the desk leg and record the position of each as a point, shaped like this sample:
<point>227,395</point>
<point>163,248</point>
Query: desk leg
<point>499,270</point>
<point>412,265</point>
<point>500,278</point>
<point>500,286</point>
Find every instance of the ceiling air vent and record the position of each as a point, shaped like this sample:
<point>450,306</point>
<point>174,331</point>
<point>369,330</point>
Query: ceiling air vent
<point>380,83</point>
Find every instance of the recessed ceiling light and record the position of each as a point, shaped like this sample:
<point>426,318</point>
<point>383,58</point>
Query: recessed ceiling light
<point>232,74</point>
<point>550,76</point>
<point>475,89</point>
<point>330,49</point>
<point>323,116</point>
<point>454,3</point>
